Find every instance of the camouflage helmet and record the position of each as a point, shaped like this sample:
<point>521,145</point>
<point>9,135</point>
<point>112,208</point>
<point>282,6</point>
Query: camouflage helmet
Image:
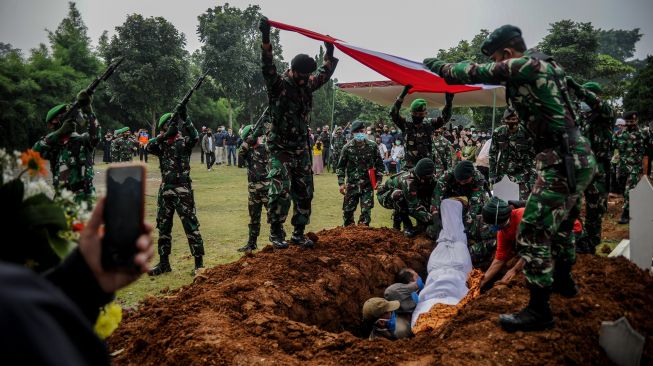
<point>54,112</point>
<point>164,119</point>
<point>245,132</point>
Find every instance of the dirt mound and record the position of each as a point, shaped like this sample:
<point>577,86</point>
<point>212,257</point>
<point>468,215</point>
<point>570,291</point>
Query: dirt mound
<point>304,306</point>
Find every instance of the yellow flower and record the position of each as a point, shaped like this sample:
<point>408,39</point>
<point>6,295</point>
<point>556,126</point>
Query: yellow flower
<point>108,320</point>
<point>33,162</point>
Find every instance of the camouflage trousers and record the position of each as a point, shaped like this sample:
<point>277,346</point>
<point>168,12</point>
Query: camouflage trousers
<point>291,178</point>
<point>178,198</point>
<point>353,195</point>
<point>596,203</point>
<point>631,175</point>
<point>258,198</point>
<point>551,210</point>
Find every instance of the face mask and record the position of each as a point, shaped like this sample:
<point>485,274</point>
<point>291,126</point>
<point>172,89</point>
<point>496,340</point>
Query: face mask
<point>415,297</point>
<point>359,136</point>
<point>391,324</point>
<point>393,131</point>
<point>495,229</point>
<point>631,127</point>
<point>420,283</point>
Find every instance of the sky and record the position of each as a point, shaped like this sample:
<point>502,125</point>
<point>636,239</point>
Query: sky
<point>412,29</point>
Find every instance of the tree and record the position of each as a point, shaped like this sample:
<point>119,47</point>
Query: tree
<point>155,73</point>
<point>350,107</point>
<point>614,75</point>
<point>323,102</point>
<point>466,50</point>
<point>573,45</point>
<point>231,50</point>
<point>639,96</point>
<point>618,43</point>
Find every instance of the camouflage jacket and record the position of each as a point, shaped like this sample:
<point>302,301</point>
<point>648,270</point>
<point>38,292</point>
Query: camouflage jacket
<point>598,126</point>
<point>535,84</point>
<point>447,187</point>
<point>355,160</point>
<point>337,143</point>
<point>632,147</point>
<point>443,154</point>
<point>512,154</point>
<point>121,149</point>
<point>174,155</point>
<point>417,136</point>
<point>72,157</point>
<point>257,160</point>
<point>290,104</point>
<point>416,194</point>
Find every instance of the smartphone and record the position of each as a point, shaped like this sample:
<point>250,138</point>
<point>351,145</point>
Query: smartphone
<point>123,215</point>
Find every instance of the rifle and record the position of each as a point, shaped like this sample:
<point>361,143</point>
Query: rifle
<point>186,98</point>
<point>260,120</point>
<point>92,86</point>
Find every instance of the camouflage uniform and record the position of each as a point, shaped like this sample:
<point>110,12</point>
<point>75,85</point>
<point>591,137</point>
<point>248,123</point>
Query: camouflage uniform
<point>355,160</point>
<point>597,127</point>
<point>176,192</point>
<point>72,158</point>
<point>513,154</point>
<point>290,159</point>
<point>337,143</point>
<point>536,86</point>
<point>632,146</point>
<point>414,198</point>
<point>417,136</point>
<point>443,153</point>
<point>258,184</point>
<point>121,149</point>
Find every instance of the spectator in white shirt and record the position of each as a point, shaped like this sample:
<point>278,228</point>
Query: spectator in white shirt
<point>397,155</point>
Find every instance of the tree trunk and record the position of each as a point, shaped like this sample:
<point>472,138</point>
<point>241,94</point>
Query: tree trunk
<point>230,113</point>
<point>153,125</point>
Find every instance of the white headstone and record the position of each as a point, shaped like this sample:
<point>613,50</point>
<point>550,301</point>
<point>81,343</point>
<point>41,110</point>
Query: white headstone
<point>641,223</point>
<point>621,342</point>
<point>506,189</point>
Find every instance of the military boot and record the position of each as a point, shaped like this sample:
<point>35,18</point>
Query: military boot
<point>162,267</point>
<point>625,218</point>
<point>199,264</point>
<point>278,237</point>
<point>250,246</point>
<point>563,282</point>
<point>396,221</point>
<point>298,238</point>
<point>534,317</point>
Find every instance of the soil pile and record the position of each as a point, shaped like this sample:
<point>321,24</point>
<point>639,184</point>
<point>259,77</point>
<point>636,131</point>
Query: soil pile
<point>304,307</point>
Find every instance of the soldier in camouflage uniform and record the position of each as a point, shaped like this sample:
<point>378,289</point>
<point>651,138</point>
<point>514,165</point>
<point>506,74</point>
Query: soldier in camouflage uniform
<point>71,154</point>
<point>419,130</point>
<point>258,183</point>
<point>290,97</point>
<point>356,158</point>
<point>631,143</point>
<point>409,194</point>
<point>443,152</point>
<point>174,148</point>
<point>536,87</point>
<point>512,153</point>
<point>338,141</point>
<point>595,124</point>
<point>121,146</point>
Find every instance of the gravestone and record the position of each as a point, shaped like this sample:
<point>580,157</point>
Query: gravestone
<point>506,189</point>
<point>621,342</point>
<point>641,223</point>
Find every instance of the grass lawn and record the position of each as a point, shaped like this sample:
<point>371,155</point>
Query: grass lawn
<point>221,200</point>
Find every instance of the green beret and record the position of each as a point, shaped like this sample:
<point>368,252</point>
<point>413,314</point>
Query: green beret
<point>121,130</point>
<point>496,211</point>
<point>499,38</point>
<point>152,140</point>
<point>357,125</point>
<point>418,105</point>
<point>164,119</point>
<point>424,167</point>
<point>594,87</point>
<point>464,170</point>
<point>55,111</point>
<point>246,130</point>
<point>508,113</point>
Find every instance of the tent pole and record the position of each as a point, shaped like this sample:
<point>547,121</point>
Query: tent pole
<point>494,106</point>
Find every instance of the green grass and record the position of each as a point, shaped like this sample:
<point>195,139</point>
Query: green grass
<point>221,200</point>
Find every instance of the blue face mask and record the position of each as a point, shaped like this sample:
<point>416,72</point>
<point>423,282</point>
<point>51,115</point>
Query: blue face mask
<point>415,297</point>
<point>391,324</point>
<point>420,283</point>
<point>359,136</point>
<point>495,229</point>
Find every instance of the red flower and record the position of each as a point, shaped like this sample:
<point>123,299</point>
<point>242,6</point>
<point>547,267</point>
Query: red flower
<point>78,226</point>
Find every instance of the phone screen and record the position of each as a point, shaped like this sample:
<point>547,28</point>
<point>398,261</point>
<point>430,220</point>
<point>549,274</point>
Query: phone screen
<point>123,215</point>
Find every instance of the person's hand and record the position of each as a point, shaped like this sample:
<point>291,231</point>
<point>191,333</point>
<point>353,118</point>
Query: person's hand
<point>66,128</point>
<point>509,276</point>
<point>182,112</point>
<point>405,91</point>
<point>90,246</point>
<point>264,27</point>
<point>343,189</point>
<point>572,84</point>
<point>329,49</point>
<point>84,98</point>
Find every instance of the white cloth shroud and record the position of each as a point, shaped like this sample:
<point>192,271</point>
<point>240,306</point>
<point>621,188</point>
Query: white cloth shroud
<point>449,264</point>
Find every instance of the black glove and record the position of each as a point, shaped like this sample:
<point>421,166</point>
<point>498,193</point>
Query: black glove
<point>329,49</point>
<point>264,27</point>
<point>182,112</point>
<point>405,91</point>
<point>84,99</point>
<point>572,84</point>
<point>448,98</point>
